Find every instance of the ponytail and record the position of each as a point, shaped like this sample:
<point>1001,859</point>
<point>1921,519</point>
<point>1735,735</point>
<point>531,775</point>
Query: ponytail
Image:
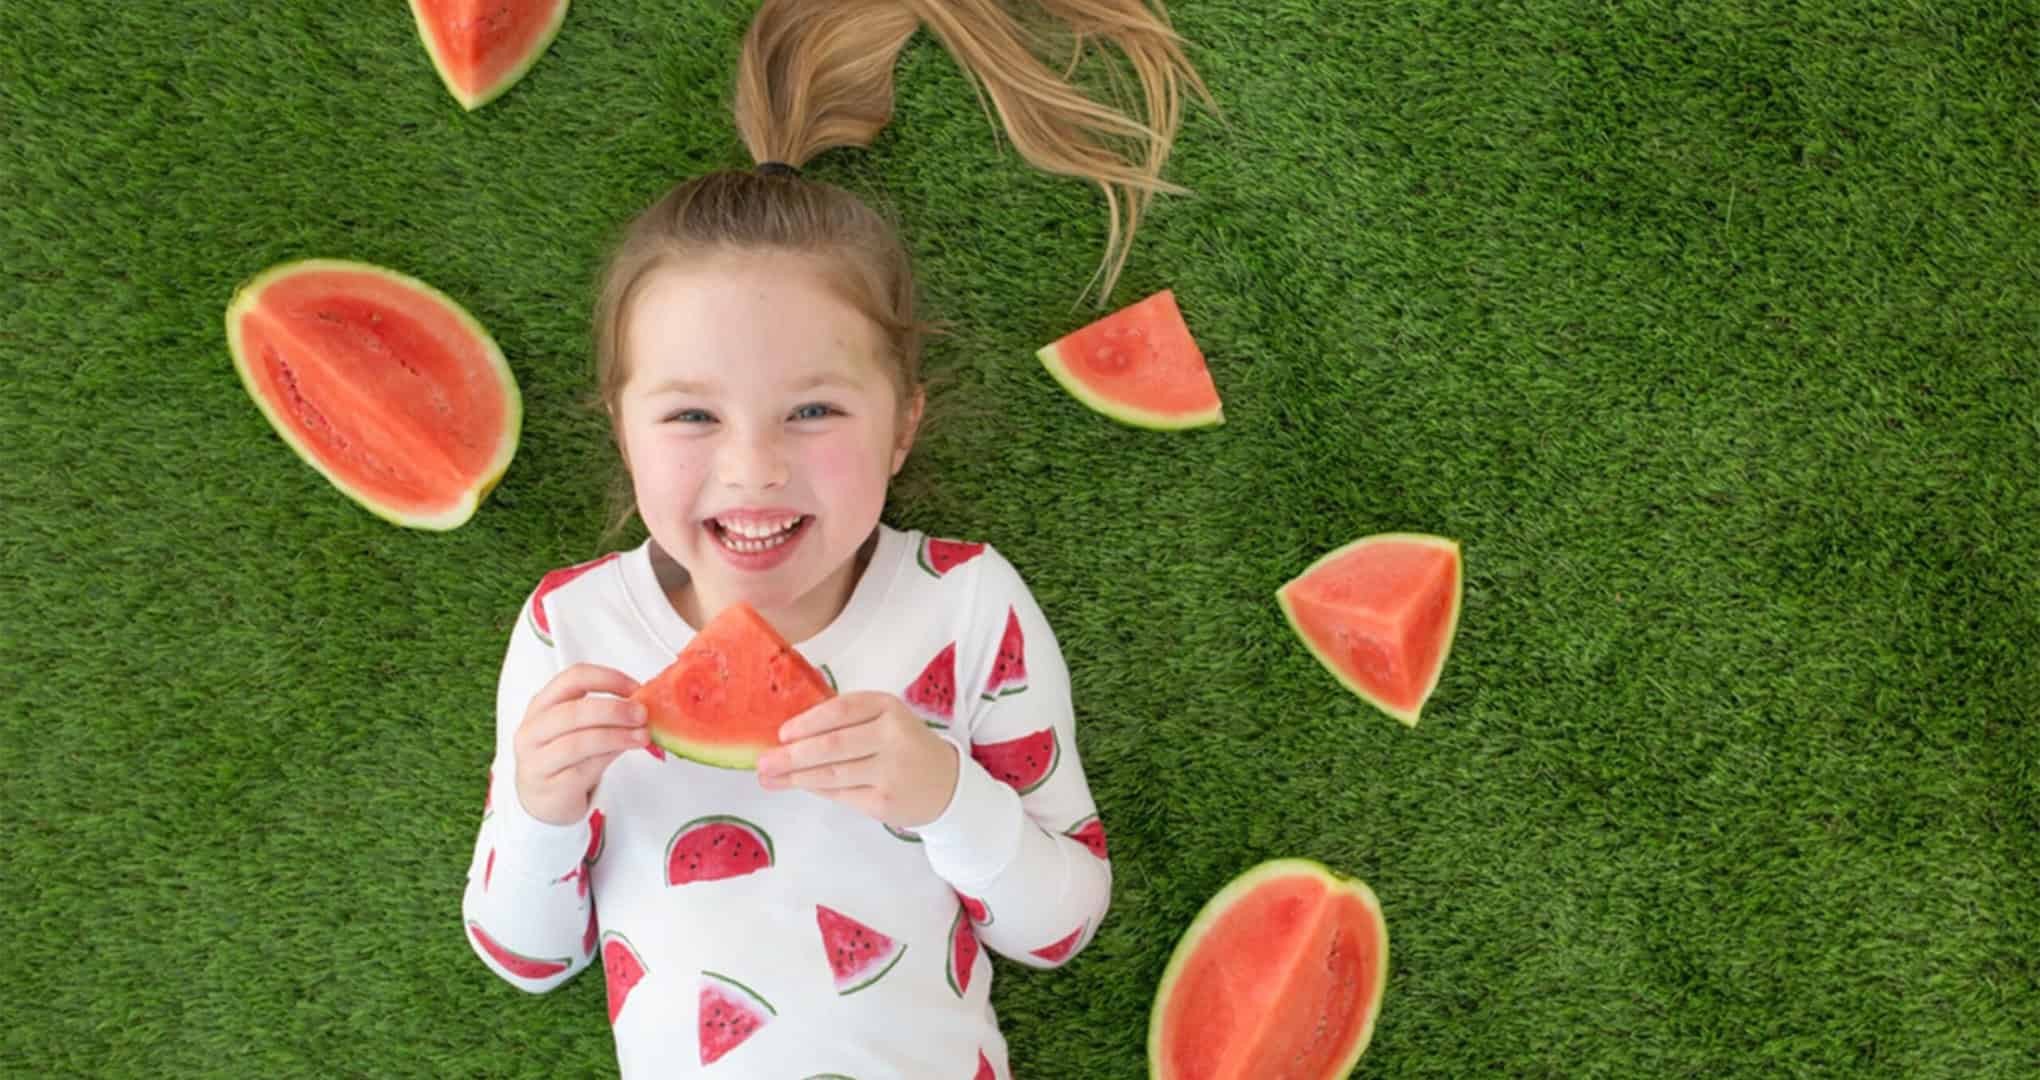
<point>818,74</point>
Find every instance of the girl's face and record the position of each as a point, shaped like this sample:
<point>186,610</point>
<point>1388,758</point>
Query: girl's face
<point>760,427</point>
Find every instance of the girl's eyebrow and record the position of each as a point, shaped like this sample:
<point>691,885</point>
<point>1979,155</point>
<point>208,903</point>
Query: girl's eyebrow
<point>708,389</point>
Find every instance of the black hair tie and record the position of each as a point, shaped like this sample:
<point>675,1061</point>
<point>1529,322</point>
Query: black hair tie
<point>777,168</point>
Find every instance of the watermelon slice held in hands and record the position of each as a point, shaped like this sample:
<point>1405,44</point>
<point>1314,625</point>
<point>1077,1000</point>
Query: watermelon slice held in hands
<point>1280,974</point>
<point>481,49</point>
<point>722,700</point>
<point>1139,366</point>
<point>385,385</point>
<point>1380,614</point>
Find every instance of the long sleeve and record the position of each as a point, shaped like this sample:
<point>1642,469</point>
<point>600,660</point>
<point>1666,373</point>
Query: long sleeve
<point>1021,840</point>
<point>527,911</point>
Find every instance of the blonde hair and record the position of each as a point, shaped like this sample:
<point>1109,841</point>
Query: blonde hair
<point>817,74</point>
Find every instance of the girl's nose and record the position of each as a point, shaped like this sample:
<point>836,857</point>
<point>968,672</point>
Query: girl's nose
<point>753,464</point>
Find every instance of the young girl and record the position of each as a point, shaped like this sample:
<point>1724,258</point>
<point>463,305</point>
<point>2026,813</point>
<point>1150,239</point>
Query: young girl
<point>758,356</point>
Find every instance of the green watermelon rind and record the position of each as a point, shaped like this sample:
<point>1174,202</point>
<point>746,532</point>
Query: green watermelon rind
<point>504,955</point>
<point>752,995</point>
<point>899,950</point>
<point>771,858</point>
<point>1215,908</point>
<point>471,102</point>
<point>1408,717</point>
<point>250,293</point>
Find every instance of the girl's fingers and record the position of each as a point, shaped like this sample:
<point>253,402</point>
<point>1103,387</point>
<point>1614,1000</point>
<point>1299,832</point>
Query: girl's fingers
<point>827,779</point>
<point>839,744</point>
<point>583,774</point>
<point>842,710</point>
<point>583,679</point>
<point>586,744</point>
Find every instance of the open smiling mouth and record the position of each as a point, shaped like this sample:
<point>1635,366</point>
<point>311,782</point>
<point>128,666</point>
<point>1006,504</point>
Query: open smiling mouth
<point>756,539</point>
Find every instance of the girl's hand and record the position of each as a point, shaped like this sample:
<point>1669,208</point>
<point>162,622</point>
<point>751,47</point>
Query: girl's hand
<point>568,736</point>
<point>869,751</point>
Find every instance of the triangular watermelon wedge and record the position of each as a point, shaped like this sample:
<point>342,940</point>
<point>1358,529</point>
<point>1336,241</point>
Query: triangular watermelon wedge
<point>722,700</point>
<point>858,955</point>
<point>1380,614</point>
<point>482,47</point>
<point>1139,366</point>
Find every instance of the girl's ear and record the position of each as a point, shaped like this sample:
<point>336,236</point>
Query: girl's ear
<point>910,425</point>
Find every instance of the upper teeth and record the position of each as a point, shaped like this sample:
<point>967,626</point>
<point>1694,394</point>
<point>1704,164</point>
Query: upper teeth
<point>759,530</point>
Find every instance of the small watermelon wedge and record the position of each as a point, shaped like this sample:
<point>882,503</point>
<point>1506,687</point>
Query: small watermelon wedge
<point>722,700</point>
<point>729,1013</point>
<point>622,970</point>
<point>482,47</point>
<point>1139,366</point>
<point>858,955</point>
<point>1380,614</point>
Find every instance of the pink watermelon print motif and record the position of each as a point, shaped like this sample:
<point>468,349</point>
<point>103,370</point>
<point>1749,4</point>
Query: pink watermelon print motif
<point>488,869</point>
<point>858,955</point>
<point>580,875</point>
<point>976,909</point>
<point>963,953</point>
<point>588,935</point>
<point>1009,671</point>
<point>1060,951</point>
<point>553,580</point>
<point>716,847</point>
<point>1025,762</point>
<point>933,695</point>
<point>938,557</point>
<point>730,1012</point>
<point>622,970</point>
<point>517,964</point>
<point>1089,832</point>
<point>984,1069</point>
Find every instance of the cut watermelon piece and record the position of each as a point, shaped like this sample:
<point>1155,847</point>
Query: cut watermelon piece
<point>1009,668</point>
<point>933,695</point>
<point>1061,950</point>
<point>1380,614</point>
<point>540,624</point>
<point>963,953</point>
<point>1281,974</point>
<point>722,700</point>
<point>1089,832</point>
<point>939,557</point>
<point>517,964</point>
<point>716,847</point>
<point>1139,366</point>
<point>976,909</point>
<point>392,391</point>
<point>858,955</point>
<point>1025,762</point>
<point>622,970</point>
<point>729,1013</point>
<point>482,47</point>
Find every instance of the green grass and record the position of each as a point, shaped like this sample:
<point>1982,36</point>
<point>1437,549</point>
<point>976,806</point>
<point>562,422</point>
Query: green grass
<point>1711,330</point>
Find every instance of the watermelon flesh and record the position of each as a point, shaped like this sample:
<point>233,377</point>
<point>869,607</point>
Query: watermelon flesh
<point>1009,666</point>
<point>963,953</point>
<point>387,387</point>
<point>1281,974</point>
<point>1139,366</point>
<point>622,970</point>
<point>1380,614</point>
<point>939,557</point>
<point>482,47</point>
<point>858,955</point>
<point>523,967</point>
<point>714,848</point>
<point>933,695</point>
<point>722,700</point>
<point>728,1013</point>
<point>1023,763</point>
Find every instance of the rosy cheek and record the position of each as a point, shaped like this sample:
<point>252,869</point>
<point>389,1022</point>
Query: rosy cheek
<point>844,468</point>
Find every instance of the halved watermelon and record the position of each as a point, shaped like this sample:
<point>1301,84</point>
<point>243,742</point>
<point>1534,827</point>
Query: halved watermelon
<point>1139,366</point>
<point>721,701</point>
<point>1380,614</point>
<point>392,391</point>
<point>482,47</point>
<point>1280,974</point>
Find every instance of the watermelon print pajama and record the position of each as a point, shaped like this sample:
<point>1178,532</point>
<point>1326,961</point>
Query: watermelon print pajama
<point>744,932</point>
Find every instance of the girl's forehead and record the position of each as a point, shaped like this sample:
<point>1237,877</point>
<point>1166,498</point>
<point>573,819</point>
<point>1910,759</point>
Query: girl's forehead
<point>759,321</point>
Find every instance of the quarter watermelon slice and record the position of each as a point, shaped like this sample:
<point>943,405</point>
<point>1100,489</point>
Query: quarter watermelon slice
<point>1023,763</point>
<point>1280,974</point>
<point>1139,366</point>
<point>729,1013</point>
<point>392,391</point>
<point>1380,614</point>
<point>622,970</point>
<point>938,556</point>
<point>482,47</point>
<point>722,700</point>
<point>858,955</point>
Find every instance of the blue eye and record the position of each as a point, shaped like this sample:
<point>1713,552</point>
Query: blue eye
<point>692,416</point>
<point>808,412</point>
